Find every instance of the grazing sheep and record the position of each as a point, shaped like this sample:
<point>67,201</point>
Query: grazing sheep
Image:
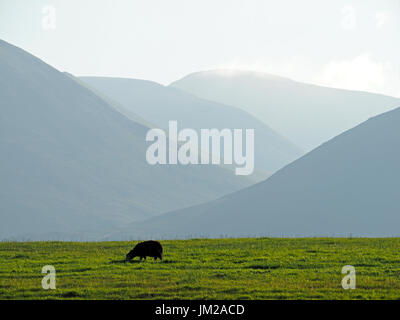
<point>146,249</point>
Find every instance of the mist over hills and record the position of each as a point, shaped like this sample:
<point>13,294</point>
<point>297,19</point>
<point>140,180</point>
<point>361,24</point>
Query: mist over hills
<point>306,114</point>
<point>350,185</point>
<point>72,163</point>
<point>159,104</point>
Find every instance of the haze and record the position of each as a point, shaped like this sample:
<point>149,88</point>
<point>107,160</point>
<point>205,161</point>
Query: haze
<point>345,44</point>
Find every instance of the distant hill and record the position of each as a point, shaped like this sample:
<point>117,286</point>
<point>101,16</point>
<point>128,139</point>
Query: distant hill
<point>125,111</point>
<point>159,104</point>
<point>348,186</point>
<point>72,164</point>
<point>306,114</point>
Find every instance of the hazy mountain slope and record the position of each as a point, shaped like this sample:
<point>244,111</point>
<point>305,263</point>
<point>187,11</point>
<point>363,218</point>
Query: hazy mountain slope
<point>159,104</point>
<point>306,114</point>
<point>349,185</point>
<point>126,112</point>
<point>70,162</point>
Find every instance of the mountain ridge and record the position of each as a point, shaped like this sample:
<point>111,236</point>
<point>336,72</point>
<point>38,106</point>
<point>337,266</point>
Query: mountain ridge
<point>354,193</point>
<point>307,114</point>
<point>72,163</point>
<point>160,104</point>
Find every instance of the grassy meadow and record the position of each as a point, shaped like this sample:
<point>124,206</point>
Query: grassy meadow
<point>257,268</point>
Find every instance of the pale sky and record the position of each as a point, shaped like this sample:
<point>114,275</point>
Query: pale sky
<point>345,44</point>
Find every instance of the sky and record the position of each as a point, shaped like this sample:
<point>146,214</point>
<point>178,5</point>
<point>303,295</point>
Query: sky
<point>344,44</point>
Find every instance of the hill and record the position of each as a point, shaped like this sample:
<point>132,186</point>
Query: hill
<point>349,185</point>
<point>306,114</point>
<point>73,164</point>
<point>159,104</point>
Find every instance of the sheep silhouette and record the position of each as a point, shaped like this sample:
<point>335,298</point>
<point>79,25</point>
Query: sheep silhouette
<point>146,249</point>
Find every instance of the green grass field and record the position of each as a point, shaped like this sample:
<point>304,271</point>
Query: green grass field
<point>265,268</point>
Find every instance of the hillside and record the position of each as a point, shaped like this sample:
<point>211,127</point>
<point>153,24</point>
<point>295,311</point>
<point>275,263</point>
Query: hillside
<point>159,104</point>
<point>306,114</point>
<point>72,164</point>
<point>349,185</point>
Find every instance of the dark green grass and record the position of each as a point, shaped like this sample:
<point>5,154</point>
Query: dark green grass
<point>265,268</point>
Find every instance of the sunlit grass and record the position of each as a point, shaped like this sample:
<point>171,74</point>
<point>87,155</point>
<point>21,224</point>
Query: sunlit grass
<point>265,268</point>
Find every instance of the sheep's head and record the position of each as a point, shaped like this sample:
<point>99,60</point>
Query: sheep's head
<point>131,254</point>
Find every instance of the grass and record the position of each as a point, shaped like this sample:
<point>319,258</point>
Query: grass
<point>262,268</point>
